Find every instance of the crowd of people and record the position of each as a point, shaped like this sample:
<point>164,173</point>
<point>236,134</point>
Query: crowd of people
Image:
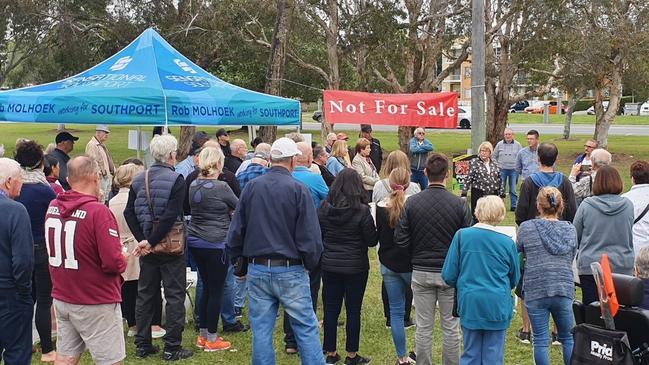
<point>277,224</point>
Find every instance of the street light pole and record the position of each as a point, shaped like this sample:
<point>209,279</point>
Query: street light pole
<point>478,127</point>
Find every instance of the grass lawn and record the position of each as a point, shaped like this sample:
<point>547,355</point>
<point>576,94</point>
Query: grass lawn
<point>376,340</point>
<point>524,118</point>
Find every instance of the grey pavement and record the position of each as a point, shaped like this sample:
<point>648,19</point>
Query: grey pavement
<point>577,129</point>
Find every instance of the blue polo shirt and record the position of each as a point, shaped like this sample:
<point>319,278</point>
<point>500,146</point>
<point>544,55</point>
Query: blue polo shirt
<point>314,182</point>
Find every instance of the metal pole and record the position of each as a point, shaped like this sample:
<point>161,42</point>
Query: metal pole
<point>139,141</point>
<point>478,127</point>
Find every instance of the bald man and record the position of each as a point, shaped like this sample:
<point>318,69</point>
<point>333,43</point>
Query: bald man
<point>313,181</point>
<point>239,152</point>
<point>16,266</point>
<point>88,313</point>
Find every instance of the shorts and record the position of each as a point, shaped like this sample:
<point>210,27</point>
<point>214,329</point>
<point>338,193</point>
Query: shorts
<point>98,328</point>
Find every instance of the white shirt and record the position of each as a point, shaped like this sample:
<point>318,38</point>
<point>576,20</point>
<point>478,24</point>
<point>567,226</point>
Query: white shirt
<point>639,196</point>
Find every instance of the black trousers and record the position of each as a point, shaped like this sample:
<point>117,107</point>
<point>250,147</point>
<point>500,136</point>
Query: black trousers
<point>170,270</point>
<point>475,195</point>
<point>42,295</point>
<point>386,302</point>
<point>16,328</point>
<point>315,276</point>
<point>351,288</point>
<point>213,268</point>
<point>129,298</point>
<point>588,289</point>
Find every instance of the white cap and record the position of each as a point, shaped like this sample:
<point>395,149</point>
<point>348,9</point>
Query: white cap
<point>284,147</point>
<point>103,128</point>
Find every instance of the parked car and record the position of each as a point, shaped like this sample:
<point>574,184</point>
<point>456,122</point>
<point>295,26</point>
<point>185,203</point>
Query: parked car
<point>519,107</point>
<point>538,108</point>
<point>644,108</point>
<point>591,110</point>
<point>464,117</point>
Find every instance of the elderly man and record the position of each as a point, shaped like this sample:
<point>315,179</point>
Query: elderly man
<point>584,159</point>
<point>161,204</point>
<point>314,182</point>
<point>186,166</point>
<point>16,266</point>
<point>505,156</point>
<point>97,150</point>
<point>420,147</point>
<point>584,187</point>
<point>320,157</point>
<point>263,148</point>
<point>238,151</point>
<point>275,228</point>
<point>329,142</point>
<point>527,161</point>
<point>64,145</point>
<point>88,313</point>
<point>427,225</point>
<point>639,196</point>
<point>258,166</point>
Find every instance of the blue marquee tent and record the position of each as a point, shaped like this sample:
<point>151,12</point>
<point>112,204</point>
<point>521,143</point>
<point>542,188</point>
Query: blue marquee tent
<point>146,83</point>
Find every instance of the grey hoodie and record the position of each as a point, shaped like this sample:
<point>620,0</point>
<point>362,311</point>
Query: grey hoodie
<point>604,224</point>
<point>549,248</point>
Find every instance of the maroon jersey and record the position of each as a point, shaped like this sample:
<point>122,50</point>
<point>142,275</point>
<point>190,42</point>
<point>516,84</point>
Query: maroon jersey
<point>85,250</point>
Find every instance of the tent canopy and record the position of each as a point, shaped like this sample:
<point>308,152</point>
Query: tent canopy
<point>146,83</point>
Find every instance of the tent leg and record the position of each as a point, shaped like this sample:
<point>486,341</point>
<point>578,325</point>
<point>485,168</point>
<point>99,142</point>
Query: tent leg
<point>139,141</point>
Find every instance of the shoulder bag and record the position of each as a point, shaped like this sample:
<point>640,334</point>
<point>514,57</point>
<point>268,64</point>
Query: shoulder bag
<point>644,212</point>
<point>173,244</point>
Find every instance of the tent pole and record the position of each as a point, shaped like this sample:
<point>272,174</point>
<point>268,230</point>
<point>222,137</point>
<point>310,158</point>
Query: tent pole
<point>139,141</point>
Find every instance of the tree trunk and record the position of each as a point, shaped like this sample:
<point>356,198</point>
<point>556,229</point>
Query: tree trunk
<point>572,103</point>
<point>333,56</point>
<point>605,118</point>
<point>185,141</point>
<point>405,134</point>
<point>275,72</point>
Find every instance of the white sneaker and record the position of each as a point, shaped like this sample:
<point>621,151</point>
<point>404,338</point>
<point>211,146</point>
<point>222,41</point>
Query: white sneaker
<point>131,333</point>
<point>158,334</point>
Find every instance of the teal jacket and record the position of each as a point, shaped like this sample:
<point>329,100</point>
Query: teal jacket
<point>484,269</point>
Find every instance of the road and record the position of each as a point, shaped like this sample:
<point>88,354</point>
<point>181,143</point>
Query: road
<point>577,129</point>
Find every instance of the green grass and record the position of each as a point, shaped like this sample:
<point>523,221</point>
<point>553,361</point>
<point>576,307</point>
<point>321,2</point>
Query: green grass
<point>376,340</point>
<point>524,118</point>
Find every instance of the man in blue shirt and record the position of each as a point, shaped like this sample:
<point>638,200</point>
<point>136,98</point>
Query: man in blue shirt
<point>16,266</point>
<point>275,227</point>
<point>313,181</point>
<point>527,160</point>
<point>257,167</point>
<point>188,165</point>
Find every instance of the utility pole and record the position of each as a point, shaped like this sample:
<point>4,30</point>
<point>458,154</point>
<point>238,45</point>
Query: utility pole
<point>478,127</point>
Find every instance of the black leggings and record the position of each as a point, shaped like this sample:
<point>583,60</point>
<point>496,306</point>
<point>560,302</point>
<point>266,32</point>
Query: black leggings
<point>386,302</point>
<point>213,268</point>
<point>129,297</point>
<point>42,295</point>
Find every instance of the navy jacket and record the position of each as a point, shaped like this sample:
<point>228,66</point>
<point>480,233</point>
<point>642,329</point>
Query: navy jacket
<point>16,249</point>
<point>276,218</point>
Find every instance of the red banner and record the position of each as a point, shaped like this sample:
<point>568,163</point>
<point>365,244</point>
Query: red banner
<point>432,110</point>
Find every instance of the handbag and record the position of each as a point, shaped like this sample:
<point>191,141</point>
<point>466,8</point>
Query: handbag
<point>455,312</point>
<point>173,243</point>
<point>599,346</point>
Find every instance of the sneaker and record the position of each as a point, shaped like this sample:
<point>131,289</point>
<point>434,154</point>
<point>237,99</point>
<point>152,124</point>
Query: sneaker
<point>143,352</point>
<point>238,312</point>
<point>331,360</point>
<point>408,324</point>
<point>131,333</point>
<point>358,359</point>
<point>200,342</point>
<point>177,355</point>
<point>524,337</point>
<point>412,357</point>
<point>291,350</point>
<point>236,327</point>
<point>387,323</point>
<point>403,363</point>
<point>49,357</point>
<point>555,339</point>
<point>218,345</point>
<point>158,334</point>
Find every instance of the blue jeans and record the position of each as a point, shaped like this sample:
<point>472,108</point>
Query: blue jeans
<point>239,292</point>
<point>396,285</point>
<point>268,287</point>
<point>483,347</point>
<point>512,176</point>
<point>419,177</point>
<point>539,311</point>
<point>227,302</point>
<point>16,313</point>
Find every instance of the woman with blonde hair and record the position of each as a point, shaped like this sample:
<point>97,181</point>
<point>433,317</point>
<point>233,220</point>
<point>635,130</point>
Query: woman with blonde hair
<point>549,245</point>
<point>382,188</point>
<point>339,157</point>
<point>364,166</point>
<point>484,177</point>
<point>212,202</point>
<point>396,267</point>
<point>483,266</point>
<point>122,180</point>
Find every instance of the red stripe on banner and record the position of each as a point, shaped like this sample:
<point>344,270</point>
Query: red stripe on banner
<point>431,110</point>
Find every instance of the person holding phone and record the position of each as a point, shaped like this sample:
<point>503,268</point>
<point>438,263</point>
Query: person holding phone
<point>584,160</point>
<point>584,187</point>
